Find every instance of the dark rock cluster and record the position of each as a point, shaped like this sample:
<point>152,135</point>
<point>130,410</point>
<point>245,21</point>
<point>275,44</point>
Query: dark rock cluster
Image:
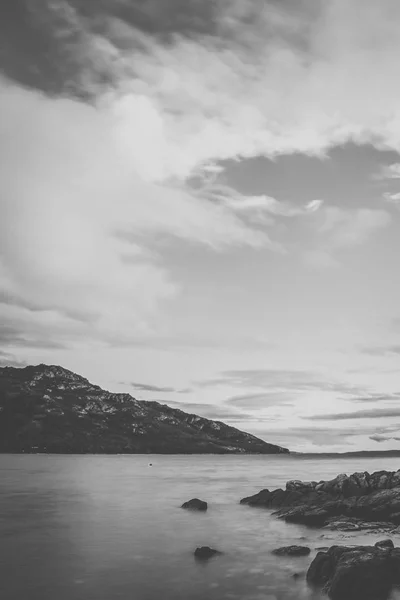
<point>358,572</point>
<point>292,551</point>
<point>352,502</point>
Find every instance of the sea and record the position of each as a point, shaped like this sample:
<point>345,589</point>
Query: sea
<point>84,527</point>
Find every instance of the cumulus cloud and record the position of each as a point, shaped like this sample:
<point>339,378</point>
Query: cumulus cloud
<point>266,80</point>
<point>93,174</point>
<point>78,221</point>
<point>256,79</point>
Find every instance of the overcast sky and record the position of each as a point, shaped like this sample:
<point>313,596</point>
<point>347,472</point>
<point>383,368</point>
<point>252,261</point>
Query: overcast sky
<point>199,205</point>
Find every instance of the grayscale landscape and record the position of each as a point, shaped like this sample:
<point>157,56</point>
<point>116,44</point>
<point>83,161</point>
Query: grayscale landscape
<point>199,300</point>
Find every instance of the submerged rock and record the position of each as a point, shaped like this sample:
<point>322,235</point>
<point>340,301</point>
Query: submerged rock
<point>360,501</point>
<point>195,504</point>
<point>292,551</point>
<point>358,572</point>
<point>205,552</point>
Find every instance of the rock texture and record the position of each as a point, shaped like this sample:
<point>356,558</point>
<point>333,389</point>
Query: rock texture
<point>195,504</point>
<point>360,501</point>
<point>292,551</point>
<point>357,573</point>
<point>205,552</point>
<point>50,409</point>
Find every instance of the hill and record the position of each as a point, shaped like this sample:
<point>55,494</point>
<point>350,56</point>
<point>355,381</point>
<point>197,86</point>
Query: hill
<point>50,409</point>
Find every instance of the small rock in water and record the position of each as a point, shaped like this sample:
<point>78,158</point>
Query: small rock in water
<point>195,504</point>
<point>292,551</point>
<point>205,552</point>
<point>384,544</point>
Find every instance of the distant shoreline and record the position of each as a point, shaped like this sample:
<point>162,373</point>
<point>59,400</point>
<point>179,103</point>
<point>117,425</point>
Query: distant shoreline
<point>358,454</point>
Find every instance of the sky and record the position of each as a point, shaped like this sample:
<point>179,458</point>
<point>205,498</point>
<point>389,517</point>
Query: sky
<point>199,205</point>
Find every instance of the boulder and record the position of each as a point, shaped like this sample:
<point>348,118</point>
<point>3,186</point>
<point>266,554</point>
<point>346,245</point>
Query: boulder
<point>292,551</point>
<point>385,544</point>
<point>195,504</point>
<point>205,552</point>
<point>356,573</point>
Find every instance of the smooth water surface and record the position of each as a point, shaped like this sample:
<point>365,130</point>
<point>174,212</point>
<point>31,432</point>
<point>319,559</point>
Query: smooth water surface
<point>110,527</point>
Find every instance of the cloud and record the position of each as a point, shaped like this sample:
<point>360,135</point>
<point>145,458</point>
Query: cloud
<point>393,198</point>
<point>10,360</point>
<point>217,81</point>
<point>267,79</point>
<point>382,350</point>
<point>377,398</point>
<point>389,172</point>
<point>143,387</point>
<point>95,174</point>
<point>317,436</point>
<point>340,228</point>
<point>210,411</point>
<point>281,379</point>
<point>382,438</point>
<point>78,222</point>
<point>260,400</point>
<point>258,207</point>
<point>377,413</point>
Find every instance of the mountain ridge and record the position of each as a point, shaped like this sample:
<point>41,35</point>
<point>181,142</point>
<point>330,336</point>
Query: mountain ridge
<point>47,408</point>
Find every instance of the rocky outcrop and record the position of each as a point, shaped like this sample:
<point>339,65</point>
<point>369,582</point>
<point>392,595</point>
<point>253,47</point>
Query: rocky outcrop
<point>357,573</point>
<point>205,552</point>
<point>47,408</point>
<point>292,551</point>
<point>195,504</point>
<point>342,502</point>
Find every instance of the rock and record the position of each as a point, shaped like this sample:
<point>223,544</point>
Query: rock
<point>195,504</point>
<point>356,573</point>
<point>344,523</point>
<point>384,544</point>
<point>345,503</point>
<point>297,485</point>
<point>205,552</point>
<point>292,551</point>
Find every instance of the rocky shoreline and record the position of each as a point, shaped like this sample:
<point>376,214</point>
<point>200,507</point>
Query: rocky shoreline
<point>359,502</point>
<point>355,502</point>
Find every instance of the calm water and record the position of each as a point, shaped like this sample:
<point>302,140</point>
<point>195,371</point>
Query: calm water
<point>110,527</point>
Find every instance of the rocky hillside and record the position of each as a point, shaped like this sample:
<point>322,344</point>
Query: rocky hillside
<point>50,409</point>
